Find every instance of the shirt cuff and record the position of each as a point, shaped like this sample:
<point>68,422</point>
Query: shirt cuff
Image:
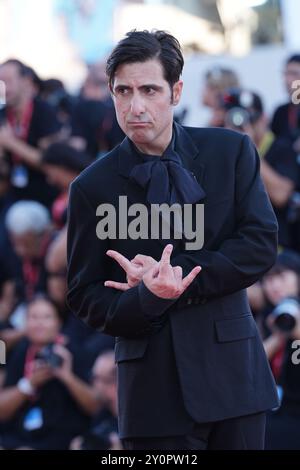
<point>152,305</point>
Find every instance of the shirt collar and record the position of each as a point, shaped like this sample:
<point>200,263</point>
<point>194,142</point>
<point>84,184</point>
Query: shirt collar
<point>147,157</point>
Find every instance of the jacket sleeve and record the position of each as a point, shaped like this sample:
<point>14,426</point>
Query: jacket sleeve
<point>132,313</point>
<point>251,250</point>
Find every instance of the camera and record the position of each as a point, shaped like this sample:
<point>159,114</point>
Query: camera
<point>243,108</point>
<point>286,314</point>
<point>237,118</point>
<point>49,357</point>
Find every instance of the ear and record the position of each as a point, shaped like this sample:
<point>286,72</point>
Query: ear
<point>177,90</point>
<point>111,89</point>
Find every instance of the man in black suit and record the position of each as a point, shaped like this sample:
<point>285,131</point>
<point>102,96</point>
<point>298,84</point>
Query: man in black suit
<point>192,372</point>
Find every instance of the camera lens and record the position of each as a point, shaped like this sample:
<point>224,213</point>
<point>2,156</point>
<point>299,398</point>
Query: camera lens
<point>285,322</point>
<point>286,314</point>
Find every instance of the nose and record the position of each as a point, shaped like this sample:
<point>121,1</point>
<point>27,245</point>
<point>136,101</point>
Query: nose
<point>277,286</point>
<point>137,105</point>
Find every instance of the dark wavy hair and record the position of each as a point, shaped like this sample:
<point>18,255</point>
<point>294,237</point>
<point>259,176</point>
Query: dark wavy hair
<point>140,46</point>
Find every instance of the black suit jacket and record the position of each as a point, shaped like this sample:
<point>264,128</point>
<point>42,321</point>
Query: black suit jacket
<point>200,357</point>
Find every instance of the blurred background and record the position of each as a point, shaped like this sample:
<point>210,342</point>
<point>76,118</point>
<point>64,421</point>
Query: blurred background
<point>242,61</point>
<point>59,37</point>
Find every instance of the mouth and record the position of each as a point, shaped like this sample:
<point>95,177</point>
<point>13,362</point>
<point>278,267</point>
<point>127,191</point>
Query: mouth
<point>138,124</point>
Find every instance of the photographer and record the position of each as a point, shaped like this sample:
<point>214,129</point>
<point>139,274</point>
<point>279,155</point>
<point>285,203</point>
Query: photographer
<point>28,125</point>
<point>217,80</point>
<point>45,400</point>
<point>62,164</point>
<point>282,327</point>
<point>279,165</point>
<point>94,125</point>
<point>103,432</point>
<point>30,231</point>
<point>283,160</point>
<point>244,112</point>
<point>285,121</point>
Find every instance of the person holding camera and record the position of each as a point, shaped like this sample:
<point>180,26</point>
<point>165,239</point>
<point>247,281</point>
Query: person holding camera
<point>45,400</point>
<point>285,120</point>
<point>279,167</point>
<point>62,163</point>
<point>243,111</point>
<point>283,161</point>
<point>103,431</point>
<point>281,287</point>
<point>28,125</point>
<point>217,81</point>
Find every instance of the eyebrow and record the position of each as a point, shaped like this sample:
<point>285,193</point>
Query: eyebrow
<point>147,85</point>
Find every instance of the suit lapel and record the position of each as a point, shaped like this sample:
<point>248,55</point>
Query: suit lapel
<point>127,160</point>
<point>189,154</point>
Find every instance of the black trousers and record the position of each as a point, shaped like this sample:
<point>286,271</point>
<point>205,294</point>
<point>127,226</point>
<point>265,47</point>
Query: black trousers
<point>242,433</point>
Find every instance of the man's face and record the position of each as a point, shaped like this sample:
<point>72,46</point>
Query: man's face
<point>42,322</point>
<point>59,176</point>
<point>210,96</point>
<point>27,245</point>
<point>144,104</point>
<point>279,286</point>
<point>291,73</point>
<point>104,381</point>
<point>14,83</point>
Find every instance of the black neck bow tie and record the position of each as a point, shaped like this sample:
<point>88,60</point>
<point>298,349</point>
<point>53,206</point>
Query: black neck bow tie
<point>166,180</point>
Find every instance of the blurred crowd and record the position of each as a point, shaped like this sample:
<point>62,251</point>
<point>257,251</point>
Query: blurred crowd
<point>58,386</point>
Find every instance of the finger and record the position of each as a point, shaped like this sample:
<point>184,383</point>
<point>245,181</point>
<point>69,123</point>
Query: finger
<point>138,258</point>
<point>136,263</point>
<point>151,273</point>
<point>141,258</point>
<point>133,280</point>
<point>120,259</point>
<point>39,365</point>
<point>140,261</point>
<point>270,321</point>
<point>178,273</point>
<point>61,351</point>
<point>117,285</point>
<point>165,259</point>
<point>190,277</point>
<point>143,262</point>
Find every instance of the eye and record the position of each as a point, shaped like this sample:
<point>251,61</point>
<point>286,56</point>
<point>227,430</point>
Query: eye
<point>149,90</point>
<point>121,91</point>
